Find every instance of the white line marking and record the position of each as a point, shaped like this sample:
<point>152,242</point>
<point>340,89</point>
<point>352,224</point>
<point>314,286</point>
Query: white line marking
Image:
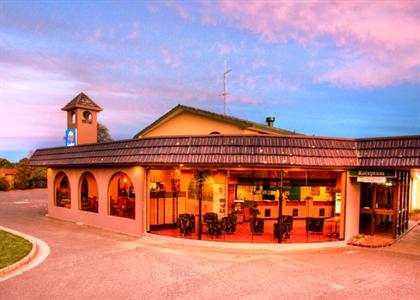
<point>337,286</point>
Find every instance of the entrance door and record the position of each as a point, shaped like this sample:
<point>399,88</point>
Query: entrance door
<point>163,210</point>
<point>376,209</point>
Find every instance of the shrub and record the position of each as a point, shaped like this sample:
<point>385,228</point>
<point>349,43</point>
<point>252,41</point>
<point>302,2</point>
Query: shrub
<point>4,184</point>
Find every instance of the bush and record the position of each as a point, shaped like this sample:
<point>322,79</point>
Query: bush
<point>4,184</point>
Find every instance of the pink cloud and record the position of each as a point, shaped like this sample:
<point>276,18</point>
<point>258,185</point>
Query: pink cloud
<point>170,59</point>
<point>179,9</point>
<point>95,38</point>
<point>384,34</point>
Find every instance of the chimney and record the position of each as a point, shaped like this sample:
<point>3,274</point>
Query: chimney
<point>270,121</point>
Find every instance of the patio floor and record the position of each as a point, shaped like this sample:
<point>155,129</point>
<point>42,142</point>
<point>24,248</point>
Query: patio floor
<point>243,234</point>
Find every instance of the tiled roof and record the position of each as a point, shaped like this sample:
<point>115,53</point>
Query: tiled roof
<point>206,150</point>
<point>241,123</point>
<point>82,101</point>
<point>389,151</point>
<point>244,150</point>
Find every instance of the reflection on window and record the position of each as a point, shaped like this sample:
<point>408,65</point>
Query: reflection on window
<point>384,197</point>
<point>88,193</point>
<point>207,189</point>
<point>62,190</point>
<point>121,196</point>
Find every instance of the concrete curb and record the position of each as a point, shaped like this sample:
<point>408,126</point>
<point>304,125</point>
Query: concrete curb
<point>38,254</point>
<point>386,244</point>
<point>241,246</point>
<point>24,260</point>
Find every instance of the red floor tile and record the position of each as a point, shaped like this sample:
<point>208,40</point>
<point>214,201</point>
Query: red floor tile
<point>243,234</point>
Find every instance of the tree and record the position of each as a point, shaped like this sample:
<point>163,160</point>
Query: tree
<point>103,135</point>
<point>28,177</point>
<point>39,178</point>
<point>23,175</point>
<point>5,164</point>
<point>4,184</point>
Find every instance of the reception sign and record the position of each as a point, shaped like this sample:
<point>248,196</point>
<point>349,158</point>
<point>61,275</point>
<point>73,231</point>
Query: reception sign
<point>374,173</point>
<point>71,137</point>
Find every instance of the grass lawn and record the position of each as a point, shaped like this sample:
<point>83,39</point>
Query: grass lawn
<point>12,248</point>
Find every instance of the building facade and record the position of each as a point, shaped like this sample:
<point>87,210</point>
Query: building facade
<point>200,175</point>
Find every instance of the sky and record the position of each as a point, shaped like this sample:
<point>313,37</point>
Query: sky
<point>327,68</point>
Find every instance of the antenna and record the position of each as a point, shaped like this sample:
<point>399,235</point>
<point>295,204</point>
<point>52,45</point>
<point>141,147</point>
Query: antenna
<point>225,93</point>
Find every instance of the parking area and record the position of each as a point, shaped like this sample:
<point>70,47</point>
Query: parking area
<point>86,262</point>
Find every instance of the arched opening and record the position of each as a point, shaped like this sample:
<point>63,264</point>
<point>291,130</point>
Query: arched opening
<point>88,193</point>
<point>121,196</point>
<point>62,190</point>
<point>73,117</point>
<point>87,117</point>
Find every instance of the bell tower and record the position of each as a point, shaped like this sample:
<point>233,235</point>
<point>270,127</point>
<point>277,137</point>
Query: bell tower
<point>82,125</point>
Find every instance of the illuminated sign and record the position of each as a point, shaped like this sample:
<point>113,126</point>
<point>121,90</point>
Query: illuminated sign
<point>381,173</point>
<point>371,179</point>
<point>71,137</point>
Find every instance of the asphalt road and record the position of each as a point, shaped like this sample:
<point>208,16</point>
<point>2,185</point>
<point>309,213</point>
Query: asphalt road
<point>89,263</point>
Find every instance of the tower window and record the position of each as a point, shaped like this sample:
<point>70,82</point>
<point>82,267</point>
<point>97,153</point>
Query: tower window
<point>73,117</point>
<point>87,117</point>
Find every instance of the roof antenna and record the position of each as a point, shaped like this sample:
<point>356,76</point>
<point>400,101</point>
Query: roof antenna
<point>225,93</point>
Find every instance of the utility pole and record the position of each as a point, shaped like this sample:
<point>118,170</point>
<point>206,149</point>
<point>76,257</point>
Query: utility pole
<point>225,93</point>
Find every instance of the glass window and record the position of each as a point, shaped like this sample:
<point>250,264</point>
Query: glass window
<point>121,196</point>
<point>88,193</point>
<point>62,190</point>
<point>384,197</point>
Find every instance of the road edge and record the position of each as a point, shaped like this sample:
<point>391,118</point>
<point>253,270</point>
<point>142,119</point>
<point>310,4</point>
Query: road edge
<point>39,252</point>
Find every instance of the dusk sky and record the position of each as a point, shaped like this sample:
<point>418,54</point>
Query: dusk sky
<point>325,68</point>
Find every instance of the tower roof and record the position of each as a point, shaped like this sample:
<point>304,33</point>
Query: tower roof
<point>82,101</point>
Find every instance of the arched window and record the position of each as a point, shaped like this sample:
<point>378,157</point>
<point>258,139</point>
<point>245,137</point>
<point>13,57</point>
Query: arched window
<point>62,190</point>
<point>73,117</point>
<point>87,117</point>
<point>121,196</point>
<point>88,192</point>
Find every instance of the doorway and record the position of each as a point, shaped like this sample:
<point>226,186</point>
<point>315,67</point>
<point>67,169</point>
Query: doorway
<point>377,209</point>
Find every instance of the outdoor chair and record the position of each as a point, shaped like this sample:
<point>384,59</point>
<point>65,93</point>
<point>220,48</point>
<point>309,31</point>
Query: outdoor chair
<point>315,225</point>
<point>287,226</point>
<point>186,223</point>
<point>215,228</point>
<point>207,218</point>
<point>257,225</point>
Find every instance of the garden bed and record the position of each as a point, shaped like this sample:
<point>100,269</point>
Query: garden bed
<point>12,248</point>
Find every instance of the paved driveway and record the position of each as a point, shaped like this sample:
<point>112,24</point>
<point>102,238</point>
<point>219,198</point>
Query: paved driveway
<point>89,263</point>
